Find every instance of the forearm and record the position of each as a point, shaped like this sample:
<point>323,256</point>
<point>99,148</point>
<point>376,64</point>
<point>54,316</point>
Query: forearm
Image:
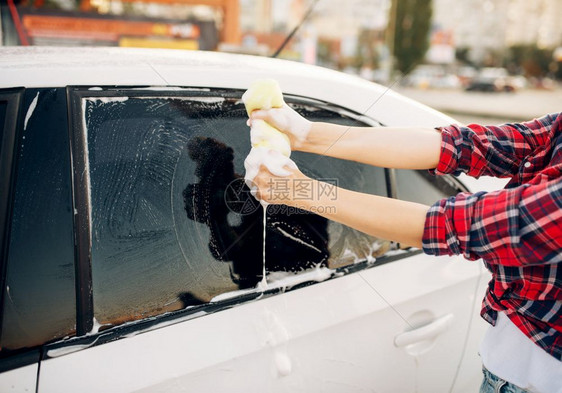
<point>386,218</point>
<point>390,147</point>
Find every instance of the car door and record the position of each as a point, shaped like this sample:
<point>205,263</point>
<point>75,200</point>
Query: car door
<point>170,249</point>
<point>434,296</point>
<point>37,278</point>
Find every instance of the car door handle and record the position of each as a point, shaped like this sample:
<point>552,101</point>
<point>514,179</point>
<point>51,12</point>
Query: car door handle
<point>425,332</point>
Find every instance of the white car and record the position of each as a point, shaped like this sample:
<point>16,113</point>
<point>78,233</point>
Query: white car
<point>132,253</point>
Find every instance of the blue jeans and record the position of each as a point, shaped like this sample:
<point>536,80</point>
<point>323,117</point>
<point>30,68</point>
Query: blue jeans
<point>493,384</point>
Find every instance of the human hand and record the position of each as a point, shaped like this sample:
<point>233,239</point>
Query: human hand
<point>271,176</point>
<point>286,120</point>
<point>277,190</point>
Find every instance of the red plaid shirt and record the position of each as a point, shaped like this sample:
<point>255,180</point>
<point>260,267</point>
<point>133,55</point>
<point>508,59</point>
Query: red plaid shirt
<point>517,231</point>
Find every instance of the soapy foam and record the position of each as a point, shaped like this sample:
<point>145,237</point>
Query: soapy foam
<point>296,239</point>
<point>263,283</point>
<point>270,147</point>
<point>264,135</point>
<point>275,162</point>
<point>289,119</point>
<point>283,280</point>
<point>283,363</point>
<point>30,110</point>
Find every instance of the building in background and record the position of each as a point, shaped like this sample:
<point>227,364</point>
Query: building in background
<point>179,24</point>
<point>541,21</point>
<point>485,27</point>
<point>477,26</point>
<point>351,35</point>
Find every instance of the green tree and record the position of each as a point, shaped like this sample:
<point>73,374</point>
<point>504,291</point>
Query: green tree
<point>533,61</point>
<point>411,21</point>
<point>367,53</point>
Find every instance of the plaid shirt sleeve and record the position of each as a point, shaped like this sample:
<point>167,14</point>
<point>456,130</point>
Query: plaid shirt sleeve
<point>494,150</point>
<point>517,230</point>
<point>511,227</point>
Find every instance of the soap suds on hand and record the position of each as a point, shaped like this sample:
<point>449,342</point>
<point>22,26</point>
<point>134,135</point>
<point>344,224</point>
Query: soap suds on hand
<point>289,119</point>
<point>274,161</point>
<point>270,147</point>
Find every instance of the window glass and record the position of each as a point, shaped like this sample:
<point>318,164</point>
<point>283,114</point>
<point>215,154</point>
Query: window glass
<point>173,223</point>
<point>346,245</point>
<point>422,187</point>
<point>39,296</point>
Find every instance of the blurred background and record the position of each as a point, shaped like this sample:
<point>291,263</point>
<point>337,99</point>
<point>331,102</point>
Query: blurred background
<point>478,60</point>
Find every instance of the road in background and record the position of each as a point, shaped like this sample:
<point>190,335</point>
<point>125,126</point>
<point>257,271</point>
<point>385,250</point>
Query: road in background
<point>489,108</point>
<point>488,121</point>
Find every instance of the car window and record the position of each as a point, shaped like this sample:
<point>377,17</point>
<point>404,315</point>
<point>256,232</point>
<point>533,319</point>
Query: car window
<point>346,245</point>
<point>173,224</point>
<point>3,109</point>
<point>422,187</point>
<point>39,291</point>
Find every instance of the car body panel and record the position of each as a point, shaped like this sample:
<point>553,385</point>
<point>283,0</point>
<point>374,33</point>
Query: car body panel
<point>420,301</point>
<point>311,339</point>
<point>471,361</point>
<point>20,380</point>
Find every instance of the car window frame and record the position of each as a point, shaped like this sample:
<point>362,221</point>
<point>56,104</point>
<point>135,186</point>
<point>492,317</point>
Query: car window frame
<point>87,334</point>
<point>79,149</point>
<point>10,134</point>
<point>14,98</point>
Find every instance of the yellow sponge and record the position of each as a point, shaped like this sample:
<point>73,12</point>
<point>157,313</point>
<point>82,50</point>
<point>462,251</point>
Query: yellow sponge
<point>263,94</point>
<point>266,94</point>
<point>264,135</point>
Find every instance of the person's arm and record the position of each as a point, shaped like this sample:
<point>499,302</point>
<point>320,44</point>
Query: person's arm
<point>390,147</point>
<point>511,227</point>
<point>477,150</point>
<point>387,218</point>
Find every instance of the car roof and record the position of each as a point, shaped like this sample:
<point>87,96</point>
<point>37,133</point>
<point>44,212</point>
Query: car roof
<point>130,66</point>
<point>94,66</point>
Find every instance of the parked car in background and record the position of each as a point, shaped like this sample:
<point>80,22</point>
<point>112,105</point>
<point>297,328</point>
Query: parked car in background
<point>465,74</point>
<point>132,250</point>
<point>431,76</point>
<point>491,79</point>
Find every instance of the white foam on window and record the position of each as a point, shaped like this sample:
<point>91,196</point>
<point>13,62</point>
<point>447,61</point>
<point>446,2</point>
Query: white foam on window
<point>287,234</point>
<point>107,100</point>
<point>282,280</point>
<point>53,353</point>
<point>30,111</point>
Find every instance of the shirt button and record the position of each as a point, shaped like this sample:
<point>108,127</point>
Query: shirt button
<point>527,164</point>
